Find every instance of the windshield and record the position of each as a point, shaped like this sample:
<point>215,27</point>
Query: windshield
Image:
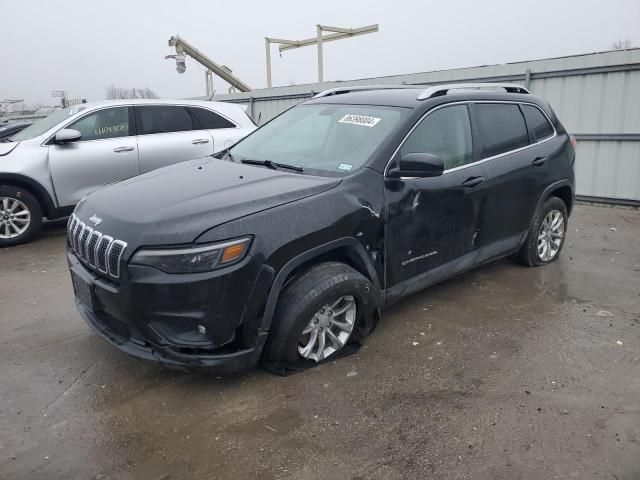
<point>323,139</point>
<point>44,124</point>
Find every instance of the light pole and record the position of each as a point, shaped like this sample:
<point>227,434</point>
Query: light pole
<point>184,48</point>
<point>337,33</point>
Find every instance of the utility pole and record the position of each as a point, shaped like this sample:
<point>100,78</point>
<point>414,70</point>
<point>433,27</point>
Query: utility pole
<point>320,61</point>
<point>208,78</point>
<point>267,45</point>
<point>337,33</point>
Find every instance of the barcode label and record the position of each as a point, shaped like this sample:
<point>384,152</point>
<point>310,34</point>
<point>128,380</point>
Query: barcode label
<point>361,120</point>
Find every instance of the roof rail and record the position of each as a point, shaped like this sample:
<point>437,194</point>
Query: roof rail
<point>438,90</point>
<point>339,90</point>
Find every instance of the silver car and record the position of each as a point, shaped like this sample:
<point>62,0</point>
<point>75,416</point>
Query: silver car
<point>48,167</point>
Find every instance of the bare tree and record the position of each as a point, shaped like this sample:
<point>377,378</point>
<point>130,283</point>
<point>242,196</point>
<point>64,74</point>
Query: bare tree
<point>622,44</point>
<point>113,93</point>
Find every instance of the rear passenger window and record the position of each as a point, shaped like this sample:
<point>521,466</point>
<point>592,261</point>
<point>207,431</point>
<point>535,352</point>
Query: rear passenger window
<point>163,119</point>
<point>538,124</point>
<point>446,133</point>
<point>501,128</point>
<point>208,120</point>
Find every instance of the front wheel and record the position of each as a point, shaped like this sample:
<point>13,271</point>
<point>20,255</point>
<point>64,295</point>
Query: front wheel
<point>20,216</point>
<point>323,314</point>
<point>546,235</point>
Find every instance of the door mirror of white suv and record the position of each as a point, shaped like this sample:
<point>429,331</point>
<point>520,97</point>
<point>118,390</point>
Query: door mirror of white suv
<point>67,135</point>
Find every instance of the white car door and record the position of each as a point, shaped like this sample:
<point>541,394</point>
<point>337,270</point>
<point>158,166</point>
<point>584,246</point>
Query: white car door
<point>166,135</point>
<point>105,153</point>
<point>224,131</point>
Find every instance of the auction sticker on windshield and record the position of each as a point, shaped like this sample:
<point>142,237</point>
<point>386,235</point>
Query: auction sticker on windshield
<point>362,120</point>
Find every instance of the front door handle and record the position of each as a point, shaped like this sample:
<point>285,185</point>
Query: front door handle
<point>123,149</point>
<point>200,141</point>
<point>539,161</point>
<point>472,182</point>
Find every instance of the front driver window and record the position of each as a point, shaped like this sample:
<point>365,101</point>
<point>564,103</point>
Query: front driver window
<point>107,123</point>
<point>446,133</point>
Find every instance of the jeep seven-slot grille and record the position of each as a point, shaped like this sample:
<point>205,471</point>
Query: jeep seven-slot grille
<point>101,252</point>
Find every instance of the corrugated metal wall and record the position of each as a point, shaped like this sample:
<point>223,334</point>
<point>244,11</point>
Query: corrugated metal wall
<point>596,96</point>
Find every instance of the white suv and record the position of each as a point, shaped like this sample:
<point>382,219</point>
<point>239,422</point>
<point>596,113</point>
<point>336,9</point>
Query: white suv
<point>48,167</point>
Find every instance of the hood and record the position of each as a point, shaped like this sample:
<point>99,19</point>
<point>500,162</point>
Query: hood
<point>7,147</point>
<point>176,204</point>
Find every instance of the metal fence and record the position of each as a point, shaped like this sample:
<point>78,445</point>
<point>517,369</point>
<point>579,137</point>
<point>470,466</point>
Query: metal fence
<point>596,96</point>
<point>32,117</point>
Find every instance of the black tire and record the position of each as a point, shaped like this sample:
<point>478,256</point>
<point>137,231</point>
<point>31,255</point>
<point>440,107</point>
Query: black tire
<point>322,284</point>
<point>528,254</point>
<point>35,214</point>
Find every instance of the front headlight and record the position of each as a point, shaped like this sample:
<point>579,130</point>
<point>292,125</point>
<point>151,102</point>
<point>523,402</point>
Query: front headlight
<point>193,259</point>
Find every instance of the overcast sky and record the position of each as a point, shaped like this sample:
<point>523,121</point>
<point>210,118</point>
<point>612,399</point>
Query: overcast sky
<point>83,45</point>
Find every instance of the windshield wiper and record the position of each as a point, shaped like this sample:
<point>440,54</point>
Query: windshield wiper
<point>227,153</point>
<point>272,165</point>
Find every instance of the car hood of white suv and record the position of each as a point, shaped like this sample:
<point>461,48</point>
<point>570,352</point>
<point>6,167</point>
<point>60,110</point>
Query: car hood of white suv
<point>7,147</point>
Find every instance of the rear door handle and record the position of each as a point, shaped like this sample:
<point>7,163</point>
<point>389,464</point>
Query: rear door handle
<point>472,182</point>
<point>200,141</point>
<point>123,149</point>
<point>539,161</point>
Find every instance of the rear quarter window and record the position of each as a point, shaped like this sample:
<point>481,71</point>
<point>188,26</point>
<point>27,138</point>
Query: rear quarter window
<point>501,128</point>
<point>539,126</point>
<point>208,120</point>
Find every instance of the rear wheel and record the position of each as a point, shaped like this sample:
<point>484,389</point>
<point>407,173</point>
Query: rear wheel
<point>323,314</point>
<point>546,235</point>
<point>20,216</point>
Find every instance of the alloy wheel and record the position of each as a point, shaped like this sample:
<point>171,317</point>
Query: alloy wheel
<point>15,218</point>
<point>328,330</point>
<point>550,235</point>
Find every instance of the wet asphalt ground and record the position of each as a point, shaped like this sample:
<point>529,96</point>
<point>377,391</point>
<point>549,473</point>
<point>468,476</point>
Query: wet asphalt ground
<point>503,373</point>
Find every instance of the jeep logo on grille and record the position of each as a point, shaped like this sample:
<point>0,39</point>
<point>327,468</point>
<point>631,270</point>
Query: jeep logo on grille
<point>95,219</point>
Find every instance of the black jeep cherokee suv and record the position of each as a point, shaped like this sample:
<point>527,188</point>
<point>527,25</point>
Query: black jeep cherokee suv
<point>285,248</point>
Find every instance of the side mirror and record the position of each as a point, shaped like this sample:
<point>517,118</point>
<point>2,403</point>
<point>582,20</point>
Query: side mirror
<point>67,135</point>
<point>418,165</point>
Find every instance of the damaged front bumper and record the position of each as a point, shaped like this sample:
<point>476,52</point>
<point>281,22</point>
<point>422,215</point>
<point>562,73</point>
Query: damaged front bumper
<point>221,363</point>
<point>204,321</point>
